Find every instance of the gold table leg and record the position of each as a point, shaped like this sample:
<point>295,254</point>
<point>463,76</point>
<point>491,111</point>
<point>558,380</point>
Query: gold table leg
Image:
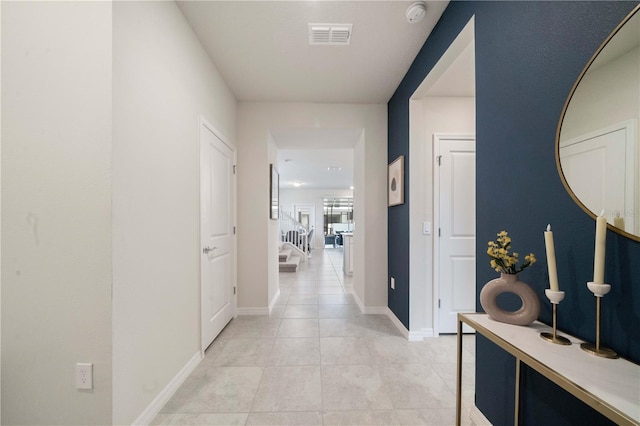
<point>516,417</point>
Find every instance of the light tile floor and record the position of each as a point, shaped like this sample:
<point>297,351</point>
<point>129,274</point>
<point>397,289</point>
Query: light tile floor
<point>316,360</point>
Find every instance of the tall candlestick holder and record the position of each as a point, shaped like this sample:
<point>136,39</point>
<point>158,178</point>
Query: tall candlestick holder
<point>598,290</point>
<point>555,297</point>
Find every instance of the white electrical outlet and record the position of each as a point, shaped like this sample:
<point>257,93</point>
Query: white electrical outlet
<point>393,283</point>
<point>84,375</point>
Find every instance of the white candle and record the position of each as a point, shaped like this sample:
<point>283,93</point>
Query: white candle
<point>551,259</point>
<point>598,256</point>
<point>618,221</point>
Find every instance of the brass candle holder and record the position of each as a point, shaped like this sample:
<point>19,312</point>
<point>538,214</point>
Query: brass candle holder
<point>555,297</point>
<point>598,290</point>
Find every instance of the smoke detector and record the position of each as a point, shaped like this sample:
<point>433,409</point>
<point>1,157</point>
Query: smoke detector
<point>330,34</point>
<point>416,11</point>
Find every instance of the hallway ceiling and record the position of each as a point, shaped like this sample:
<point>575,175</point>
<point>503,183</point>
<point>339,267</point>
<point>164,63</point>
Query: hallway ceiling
<point>262,51</point>
<point>261,48</point>
<point>330,167</point>
<point>316,168</point>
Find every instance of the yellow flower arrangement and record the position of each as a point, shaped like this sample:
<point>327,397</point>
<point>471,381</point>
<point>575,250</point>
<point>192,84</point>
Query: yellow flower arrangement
<point>504,262</point>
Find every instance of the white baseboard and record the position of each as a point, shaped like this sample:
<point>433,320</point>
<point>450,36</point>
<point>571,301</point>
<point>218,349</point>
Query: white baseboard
<point>399,325</point>
<point>478,418</point>
<point>428,332</point>
<point>357,299</point>
<point>165,394</point>
<point>252,311</point>
<point>274,300</point>
<point>375,310</point>
<point>370,310</point>
<point>367,310</point>
<point>418,336</point>
<point>415,336</point>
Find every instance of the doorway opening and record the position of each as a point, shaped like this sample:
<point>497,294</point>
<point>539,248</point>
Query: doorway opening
<point>338,219</point>
<point>444,104</point>
<point>304,216</point>
<point>314,164</point>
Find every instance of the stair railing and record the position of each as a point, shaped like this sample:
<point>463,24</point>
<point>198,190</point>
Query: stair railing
<point>294,232</point>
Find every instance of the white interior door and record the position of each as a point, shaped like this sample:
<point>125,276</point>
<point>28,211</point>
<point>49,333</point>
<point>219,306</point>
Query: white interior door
<point>456,221</point>
<point>216,234</point>
<point>600,168</point>
<point>305,214</point>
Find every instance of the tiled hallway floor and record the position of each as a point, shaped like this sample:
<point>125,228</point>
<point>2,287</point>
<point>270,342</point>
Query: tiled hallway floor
<point>318,361</point>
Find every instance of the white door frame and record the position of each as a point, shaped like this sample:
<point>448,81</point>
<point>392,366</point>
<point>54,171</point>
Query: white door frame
<point>202,122</point>
<point>311,208</point>
<point>437,138</point>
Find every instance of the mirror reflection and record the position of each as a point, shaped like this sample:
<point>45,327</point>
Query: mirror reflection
<point>598,138</point>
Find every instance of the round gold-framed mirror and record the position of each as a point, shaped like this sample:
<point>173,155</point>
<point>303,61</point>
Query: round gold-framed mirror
<point>597,148</point>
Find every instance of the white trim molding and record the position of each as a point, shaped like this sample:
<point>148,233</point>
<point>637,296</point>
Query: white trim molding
<point>415,336</point>
<point>418,336</point>
<point>399,325</point>
<point>146,417</point>
<point>478,418</point>
<point>367,310</point>
<point>273,301</point>
<point>375,310</point>
<point>428,332</point>
<point>357,299</point>
<point>253,311</point>
<point>380,310</point>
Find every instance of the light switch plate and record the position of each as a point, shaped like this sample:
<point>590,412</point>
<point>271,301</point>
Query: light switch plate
<point>426,228</point>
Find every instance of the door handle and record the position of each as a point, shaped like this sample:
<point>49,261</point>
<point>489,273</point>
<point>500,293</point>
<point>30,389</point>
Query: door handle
<point>206,250</point>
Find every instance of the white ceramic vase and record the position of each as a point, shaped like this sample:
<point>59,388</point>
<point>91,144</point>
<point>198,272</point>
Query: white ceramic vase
<point>509,283</point>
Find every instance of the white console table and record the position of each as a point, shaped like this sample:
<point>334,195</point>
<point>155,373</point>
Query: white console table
<point>610,386</point>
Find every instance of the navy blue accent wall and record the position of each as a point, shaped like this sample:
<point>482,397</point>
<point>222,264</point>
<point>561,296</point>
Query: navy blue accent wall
<point>442,36</point>
<point>528,56</point>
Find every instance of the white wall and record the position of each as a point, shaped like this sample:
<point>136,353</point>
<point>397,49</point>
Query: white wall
<point>296,196</point>
<point>428,116</point>
<point>274,233</point>
<point>56,216</point>
<point>616,83</point>
<point>359,219</point>
<point>162,81</point>
<point>254,121</point>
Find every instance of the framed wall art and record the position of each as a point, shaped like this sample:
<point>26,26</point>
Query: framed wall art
<point>395,184</point>
<point>274,193</point>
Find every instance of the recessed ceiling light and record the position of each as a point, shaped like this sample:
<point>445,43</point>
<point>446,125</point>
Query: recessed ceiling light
<point>351,187</point>
<point>296,184</point>
<point>334,169</point>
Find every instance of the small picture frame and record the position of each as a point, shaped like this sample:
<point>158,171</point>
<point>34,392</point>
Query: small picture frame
<point>395,182</point>
<point>274,193</point>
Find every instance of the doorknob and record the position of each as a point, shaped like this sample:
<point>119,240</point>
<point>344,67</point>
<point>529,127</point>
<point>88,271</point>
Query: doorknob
<point>206,250</point>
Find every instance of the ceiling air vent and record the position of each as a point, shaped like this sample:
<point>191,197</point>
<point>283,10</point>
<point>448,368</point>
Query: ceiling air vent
<point>330,34</point>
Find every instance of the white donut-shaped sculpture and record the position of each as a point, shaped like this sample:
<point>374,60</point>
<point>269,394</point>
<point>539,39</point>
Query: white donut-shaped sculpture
<point>509,283</point>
